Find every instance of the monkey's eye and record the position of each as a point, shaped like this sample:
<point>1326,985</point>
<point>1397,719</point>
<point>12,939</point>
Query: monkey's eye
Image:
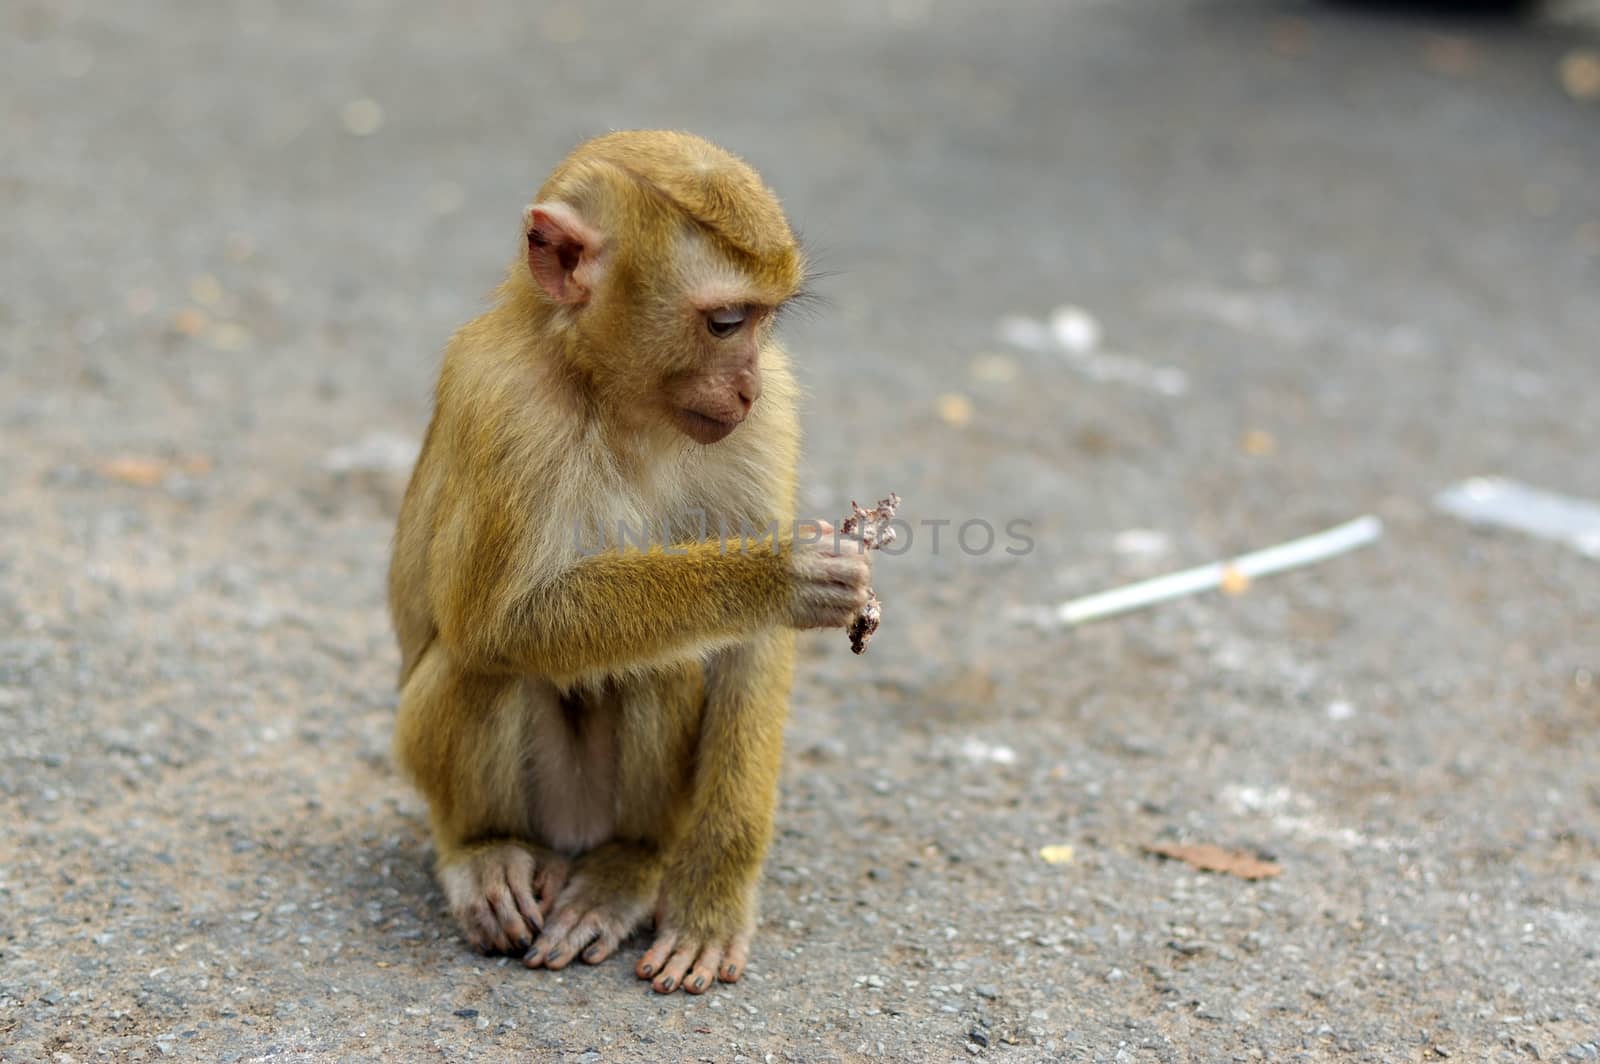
<point>726,321</point>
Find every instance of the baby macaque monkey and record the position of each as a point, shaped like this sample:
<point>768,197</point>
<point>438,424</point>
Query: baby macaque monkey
<point>598,726</point>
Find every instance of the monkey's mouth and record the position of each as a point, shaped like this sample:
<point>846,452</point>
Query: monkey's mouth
<point>702,428</point>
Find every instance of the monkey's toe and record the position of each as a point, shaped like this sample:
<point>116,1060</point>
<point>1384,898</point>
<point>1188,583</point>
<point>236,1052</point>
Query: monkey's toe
<point>575,930</point>
<point>696,965</point>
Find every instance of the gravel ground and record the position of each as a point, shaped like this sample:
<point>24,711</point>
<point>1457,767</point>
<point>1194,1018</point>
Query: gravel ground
<point>1338,260</point>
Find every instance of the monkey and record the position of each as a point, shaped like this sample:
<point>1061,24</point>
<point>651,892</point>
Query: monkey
<point>598,732</point>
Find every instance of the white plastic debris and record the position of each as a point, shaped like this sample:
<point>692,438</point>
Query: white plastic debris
<point>975,749</point>
<point>1141,543</point>
<point>1124,369</point>
<point>1075,330</point>
<point>1024,332</point>
<point>1075,334</point>
<point>1231,574</point>
<point>1505,503</point>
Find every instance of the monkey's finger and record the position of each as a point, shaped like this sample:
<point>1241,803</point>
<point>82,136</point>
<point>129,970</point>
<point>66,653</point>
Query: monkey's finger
<point>604,945</point>
<point>512,925</point>
<point>522,893</point>
<point>840,618</point>
<point>671,976</point>
<point>816,534</point>
<point>846,570</point>
<point>733,963</point>
<point>555,933</point>
<point>548,883</point>
<point>655,958</point>
<point>704,973</point>
<point>580,936</point>
<point>521,868</point>
<point>489,938</point>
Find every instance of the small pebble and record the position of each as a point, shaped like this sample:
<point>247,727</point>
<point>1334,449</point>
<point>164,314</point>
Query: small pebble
<point>955,410</point>
<point>206,290</point>
<point>1258,443</point>
<point>362,118</point>
<point>994,369</point>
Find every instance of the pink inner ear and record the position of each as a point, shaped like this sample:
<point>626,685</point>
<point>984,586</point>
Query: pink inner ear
<point>559,246</point>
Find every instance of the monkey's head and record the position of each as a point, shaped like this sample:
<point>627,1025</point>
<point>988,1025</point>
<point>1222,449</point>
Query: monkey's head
<point>662,260</point>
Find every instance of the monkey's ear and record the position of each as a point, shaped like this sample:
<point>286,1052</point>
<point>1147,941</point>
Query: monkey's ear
<point>563,252</point>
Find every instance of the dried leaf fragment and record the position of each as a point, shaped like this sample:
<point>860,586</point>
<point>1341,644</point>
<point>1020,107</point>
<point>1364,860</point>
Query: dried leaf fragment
<point>140,472</point>
<point>1258,443</point>
<point>1580,74</point>
<point>955,410</point>
<point>1450,56</point>
<point>190,322</point>
<point>872,527</point>
<point>1209,858</point>
<point>865,624</point>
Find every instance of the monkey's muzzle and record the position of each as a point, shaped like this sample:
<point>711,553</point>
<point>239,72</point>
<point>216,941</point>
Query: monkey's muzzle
<point>704,428</point>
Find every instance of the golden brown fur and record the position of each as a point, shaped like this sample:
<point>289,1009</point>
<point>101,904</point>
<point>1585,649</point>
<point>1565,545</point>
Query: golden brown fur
<point>599,734</point>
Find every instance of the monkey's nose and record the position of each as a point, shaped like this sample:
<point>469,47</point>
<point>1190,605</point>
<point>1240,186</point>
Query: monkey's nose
<point>748,388</point>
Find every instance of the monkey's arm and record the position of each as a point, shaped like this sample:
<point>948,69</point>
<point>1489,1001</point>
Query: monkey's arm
<point>615,610</point>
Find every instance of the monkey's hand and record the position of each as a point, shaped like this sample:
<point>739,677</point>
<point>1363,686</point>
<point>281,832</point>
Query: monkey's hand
<point>608,896</point>
<point>829,588</point>
<point>500,891</point>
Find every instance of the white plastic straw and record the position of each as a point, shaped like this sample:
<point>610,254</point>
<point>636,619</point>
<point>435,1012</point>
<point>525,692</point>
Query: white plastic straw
<point>1335,541</point>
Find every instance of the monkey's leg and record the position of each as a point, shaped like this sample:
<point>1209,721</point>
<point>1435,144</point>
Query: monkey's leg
<point>706,911</point>
<point>464,740</point>
<point>614,887</point>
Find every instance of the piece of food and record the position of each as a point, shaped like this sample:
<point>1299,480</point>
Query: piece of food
<point>872,527</point>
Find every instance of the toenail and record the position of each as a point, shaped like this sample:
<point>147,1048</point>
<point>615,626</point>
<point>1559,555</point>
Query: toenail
<point>669,984</point>
<point>648,970</point>
<point>700,983</point>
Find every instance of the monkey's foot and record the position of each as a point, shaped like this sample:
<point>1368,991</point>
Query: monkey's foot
<point>499,893</point>
<point>693,961</point>
<point>592,917</point>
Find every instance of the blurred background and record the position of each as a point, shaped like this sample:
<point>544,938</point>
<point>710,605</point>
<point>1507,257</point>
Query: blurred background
<point>1167,280</point>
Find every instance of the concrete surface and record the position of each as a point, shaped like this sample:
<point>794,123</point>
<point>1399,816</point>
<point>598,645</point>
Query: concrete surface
<point>237,235</point>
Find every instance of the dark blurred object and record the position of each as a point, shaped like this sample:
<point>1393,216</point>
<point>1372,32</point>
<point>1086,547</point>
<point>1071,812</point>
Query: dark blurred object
<point>1473,8</point>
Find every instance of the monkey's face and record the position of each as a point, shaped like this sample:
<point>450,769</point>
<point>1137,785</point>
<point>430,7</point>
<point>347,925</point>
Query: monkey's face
<point>666,311</point>
<point>721,319</point>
